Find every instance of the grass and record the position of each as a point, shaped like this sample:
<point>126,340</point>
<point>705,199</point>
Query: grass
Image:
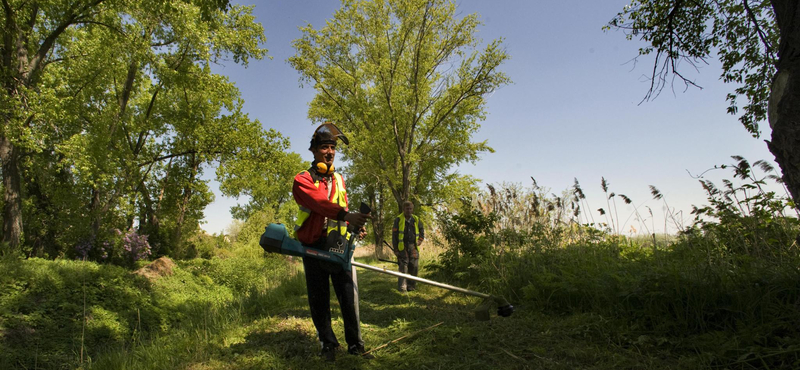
<point>284,338</point>
<point>725,294</point>
<point>592,305</point>
<point>193,319</point>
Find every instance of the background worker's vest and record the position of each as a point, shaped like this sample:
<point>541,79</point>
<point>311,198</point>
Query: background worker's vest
<point>401,230</point>
<point>338,198</point>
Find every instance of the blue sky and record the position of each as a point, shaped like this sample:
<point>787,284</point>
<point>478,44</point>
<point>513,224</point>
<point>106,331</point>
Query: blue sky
<point>572,111</point>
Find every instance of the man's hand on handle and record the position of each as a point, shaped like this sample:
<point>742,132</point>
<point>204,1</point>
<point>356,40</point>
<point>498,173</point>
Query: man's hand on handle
<point>357,220</point>
<point>362,233</point>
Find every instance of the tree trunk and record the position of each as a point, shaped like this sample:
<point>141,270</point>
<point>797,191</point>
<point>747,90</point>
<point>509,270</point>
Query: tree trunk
<point>94,212</point>
<point>12,210</point>
<point>784,103</point>
<point>379,219</point>
<point>187,196</point>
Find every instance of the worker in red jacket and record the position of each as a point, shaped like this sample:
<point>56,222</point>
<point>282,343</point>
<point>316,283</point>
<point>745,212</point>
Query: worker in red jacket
<point>320,193</point>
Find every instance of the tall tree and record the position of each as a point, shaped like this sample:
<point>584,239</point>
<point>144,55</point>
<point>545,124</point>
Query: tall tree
<point>758,42</point>
<point>120,113</point>
<point>30,32</point>
<point>160,116</point>
<point>408,84</point>
<point>261,170</point>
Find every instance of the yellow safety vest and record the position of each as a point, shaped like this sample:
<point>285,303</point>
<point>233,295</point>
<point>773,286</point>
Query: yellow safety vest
<point>338,197</point>
<point>402,228</point>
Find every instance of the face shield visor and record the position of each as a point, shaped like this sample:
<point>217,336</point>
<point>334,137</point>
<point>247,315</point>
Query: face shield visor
<point>327,133</point>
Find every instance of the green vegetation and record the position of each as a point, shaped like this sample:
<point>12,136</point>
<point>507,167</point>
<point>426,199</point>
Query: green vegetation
<point>110,114</point>
<point>407,81</point>
<point>723,294</point>
<point>110,117</point>
<point>61,314</point>
<point>716,296</point>
<point>196,319</point>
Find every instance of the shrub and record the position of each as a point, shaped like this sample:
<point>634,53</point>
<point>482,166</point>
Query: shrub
<point>135,246</point>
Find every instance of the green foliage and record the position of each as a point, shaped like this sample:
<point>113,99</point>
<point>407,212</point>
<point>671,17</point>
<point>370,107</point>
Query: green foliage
<point>406,82</point>
<point>42,304</point>
<point>505,222</point>
<point>469,235</point>
<point>268,327</point>
<point>119,127</point>
<point>745,218</point>
<point>262,172</point>
<point>744,35</point>
<point>201,245</point>
<point>53,314</point>
<point>725,289</point>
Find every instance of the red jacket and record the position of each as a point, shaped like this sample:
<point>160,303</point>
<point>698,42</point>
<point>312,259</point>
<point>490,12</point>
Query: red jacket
<point>307,195</point>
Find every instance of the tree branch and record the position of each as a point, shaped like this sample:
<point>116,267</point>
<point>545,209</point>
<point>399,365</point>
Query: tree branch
<point>174,155</point>
<point>50,40</point>
<point>10,27</point>
<point>761,35</point>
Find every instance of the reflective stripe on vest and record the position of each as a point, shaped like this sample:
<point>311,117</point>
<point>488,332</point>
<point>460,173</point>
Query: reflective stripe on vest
<point>402,230</point>
<point>338,197</point>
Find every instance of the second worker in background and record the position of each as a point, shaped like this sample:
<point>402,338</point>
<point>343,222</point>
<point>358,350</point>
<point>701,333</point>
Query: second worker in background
<point>407,236</point>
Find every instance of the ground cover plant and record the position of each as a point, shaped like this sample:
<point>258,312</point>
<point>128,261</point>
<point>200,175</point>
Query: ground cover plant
<point>724,293</point>
<point>194,321</point>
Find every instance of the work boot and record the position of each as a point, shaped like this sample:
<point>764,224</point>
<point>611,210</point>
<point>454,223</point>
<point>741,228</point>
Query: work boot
<point>411,289</point>
<point>402,289</point>
<point>328,353</point>
<point>359,350</point>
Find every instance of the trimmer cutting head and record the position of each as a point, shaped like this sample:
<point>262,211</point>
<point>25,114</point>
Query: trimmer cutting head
<point>505,311</point>
<point>504,308</point>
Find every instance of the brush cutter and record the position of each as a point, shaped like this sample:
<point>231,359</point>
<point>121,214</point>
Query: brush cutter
<point>276,239</point>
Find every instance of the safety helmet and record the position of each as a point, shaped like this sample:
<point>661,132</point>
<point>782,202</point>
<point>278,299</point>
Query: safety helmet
<point>327,133</point>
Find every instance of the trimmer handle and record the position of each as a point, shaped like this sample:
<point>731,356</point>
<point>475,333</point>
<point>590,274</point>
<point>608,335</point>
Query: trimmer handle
<point>363,208</point>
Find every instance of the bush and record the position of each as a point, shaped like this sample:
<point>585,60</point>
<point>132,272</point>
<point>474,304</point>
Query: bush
<point>469,235</point>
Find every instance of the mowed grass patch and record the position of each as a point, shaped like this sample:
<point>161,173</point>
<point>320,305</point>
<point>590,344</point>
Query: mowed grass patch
<point>205,324</point>
<point>286,339</point>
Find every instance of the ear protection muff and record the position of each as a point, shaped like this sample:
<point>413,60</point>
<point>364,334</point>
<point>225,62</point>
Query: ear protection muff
<point>323,169</point>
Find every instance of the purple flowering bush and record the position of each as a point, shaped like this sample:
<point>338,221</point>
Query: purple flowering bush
<point>123,248</point>
<point>135,246</point>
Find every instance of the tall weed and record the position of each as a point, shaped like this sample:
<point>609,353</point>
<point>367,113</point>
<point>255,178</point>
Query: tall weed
<point>732,274</point>
<point>745,218</point>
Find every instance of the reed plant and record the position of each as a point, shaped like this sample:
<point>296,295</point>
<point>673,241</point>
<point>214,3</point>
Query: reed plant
<point>725,287</point>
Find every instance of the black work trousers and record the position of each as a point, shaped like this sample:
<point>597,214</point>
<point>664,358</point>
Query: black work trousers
<point>319,301</point>
<point>407,263</point>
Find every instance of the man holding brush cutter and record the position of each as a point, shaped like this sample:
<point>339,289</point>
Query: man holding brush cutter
<point>322,223</point>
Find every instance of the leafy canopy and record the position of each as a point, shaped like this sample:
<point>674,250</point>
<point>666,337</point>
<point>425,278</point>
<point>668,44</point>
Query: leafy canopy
<point>406,82</point>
